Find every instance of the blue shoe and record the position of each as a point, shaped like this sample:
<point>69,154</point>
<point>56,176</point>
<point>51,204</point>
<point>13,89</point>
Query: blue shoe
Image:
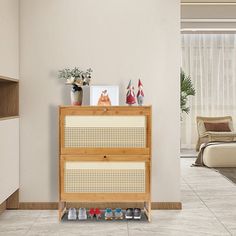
<point>108,214</point>
<point>118,214</point>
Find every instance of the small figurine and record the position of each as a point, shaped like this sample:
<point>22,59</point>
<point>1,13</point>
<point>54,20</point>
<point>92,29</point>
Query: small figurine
<point>130,96</point>
<point>104,99</point>
<point>140,94</point>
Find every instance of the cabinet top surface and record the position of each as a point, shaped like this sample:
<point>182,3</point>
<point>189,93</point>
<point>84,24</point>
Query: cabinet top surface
<point>108,107</point>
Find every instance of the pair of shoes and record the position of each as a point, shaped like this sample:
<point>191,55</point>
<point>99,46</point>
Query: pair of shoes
<point>95,213</point>
<point>118,214</point>
<point>82,215</point>
<point>133,213</point>
<point>108,214</point>
<point>72,214</point>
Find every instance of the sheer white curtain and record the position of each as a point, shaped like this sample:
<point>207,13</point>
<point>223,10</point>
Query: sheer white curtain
<point>210,60</point>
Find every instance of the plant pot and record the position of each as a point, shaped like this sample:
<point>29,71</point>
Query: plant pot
<point>76,95</point>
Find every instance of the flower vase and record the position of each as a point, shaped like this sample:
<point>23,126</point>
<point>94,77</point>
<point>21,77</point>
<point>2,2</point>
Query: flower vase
<point>76,95</point>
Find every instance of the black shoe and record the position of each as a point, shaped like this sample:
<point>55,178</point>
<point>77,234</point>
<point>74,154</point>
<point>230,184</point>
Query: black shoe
<point>129,214</point>
<point>137,213</point>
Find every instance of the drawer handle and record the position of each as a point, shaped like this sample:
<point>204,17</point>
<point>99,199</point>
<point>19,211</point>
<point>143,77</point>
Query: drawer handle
<point>104,109</point>
<point>105,156</point>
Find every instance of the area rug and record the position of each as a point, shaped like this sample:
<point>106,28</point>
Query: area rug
<point>229,173</point>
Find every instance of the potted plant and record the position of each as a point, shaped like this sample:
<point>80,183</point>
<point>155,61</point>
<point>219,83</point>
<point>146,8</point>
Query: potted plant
<point>77,78</point>
<point>187,89</point>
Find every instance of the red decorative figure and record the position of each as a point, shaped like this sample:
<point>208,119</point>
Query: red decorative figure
<point>140,94</point>
<point>130,96</point>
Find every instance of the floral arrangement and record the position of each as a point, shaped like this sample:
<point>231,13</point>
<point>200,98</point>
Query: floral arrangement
<point>76,76</point>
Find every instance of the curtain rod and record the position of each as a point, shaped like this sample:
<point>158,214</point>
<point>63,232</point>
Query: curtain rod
<point>208,3</point>
<point>208,30</point>
<point>211,20</point>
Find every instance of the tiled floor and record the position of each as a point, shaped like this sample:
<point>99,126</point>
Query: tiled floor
<point>209,208</point>
<point>188,153</point>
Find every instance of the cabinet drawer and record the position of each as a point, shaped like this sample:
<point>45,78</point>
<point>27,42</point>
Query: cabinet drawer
<point>104,177</point>
<point>112,177</point>
<point>81,133</point>
<point>105,132</point>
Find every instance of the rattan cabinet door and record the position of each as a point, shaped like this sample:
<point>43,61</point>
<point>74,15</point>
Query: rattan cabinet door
<point>105,177</point>
<point>105,133</point>
<point>82,180</point>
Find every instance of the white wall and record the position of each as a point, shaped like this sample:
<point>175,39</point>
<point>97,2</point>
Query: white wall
<point>120,40</point>
<point>9,38</point>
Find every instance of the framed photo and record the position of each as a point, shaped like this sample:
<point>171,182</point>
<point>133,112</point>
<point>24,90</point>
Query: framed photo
<point>104,95</point>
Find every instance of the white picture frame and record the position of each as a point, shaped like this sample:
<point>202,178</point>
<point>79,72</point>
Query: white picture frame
<point>104,95</point>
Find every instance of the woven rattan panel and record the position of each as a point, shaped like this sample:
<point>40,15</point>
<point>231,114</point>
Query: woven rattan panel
<point>111,137</point>
<point>104,180</point>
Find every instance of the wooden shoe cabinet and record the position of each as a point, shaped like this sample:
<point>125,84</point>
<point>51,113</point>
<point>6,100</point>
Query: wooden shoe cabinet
<point>105,155</point>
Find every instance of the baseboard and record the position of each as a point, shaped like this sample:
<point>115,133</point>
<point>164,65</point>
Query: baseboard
<point>54,205</point>
<point>3,207</point>
<point>38,205</point>
<point>13,201</point>
<point>166,205</point>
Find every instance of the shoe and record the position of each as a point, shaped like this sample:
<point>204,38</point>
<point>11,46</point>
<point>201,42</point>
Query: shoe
<point>108,214</point>
<point>118,214</point>
<point>91,213</point>
<point>137,214</point>
<point>72,215</point>
<point>98,214</point>
<point>82,214</point>
<point>129,213</point>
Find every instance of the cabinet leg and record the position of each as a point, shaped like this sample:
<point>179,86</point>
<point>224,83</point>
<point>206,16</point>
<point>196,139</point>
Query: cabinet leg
<point>147,210</point>
<point>61,209</point>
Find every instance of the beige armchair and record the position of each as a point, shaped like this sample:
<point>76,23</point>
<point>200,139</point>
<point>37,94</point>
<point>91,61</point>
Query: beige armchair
<point>211,136</point>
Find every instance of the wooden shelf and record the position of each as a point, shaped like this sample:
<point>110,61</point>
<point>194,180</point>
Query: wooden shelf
<point>5,79</point>
<point>8,118</point>
<point>9,97</point>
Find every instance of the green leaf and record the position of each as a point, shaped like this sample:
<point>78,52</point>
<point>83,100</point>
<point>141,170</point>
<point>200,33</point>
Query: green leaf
<point>187,89</point>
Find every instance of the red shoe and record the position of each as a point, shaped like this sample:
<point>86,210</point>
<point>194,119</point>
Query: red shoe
<point>91,213</point>
<point>98,213</point>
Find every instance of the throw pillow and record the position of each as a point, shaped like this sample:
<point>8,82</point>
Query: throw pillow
<point>217,127</point>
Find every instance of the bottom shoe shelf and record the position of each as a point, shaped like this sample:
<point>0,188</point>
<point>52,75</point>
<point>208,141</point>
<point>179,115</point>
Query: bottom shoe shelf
<point>144,218</point>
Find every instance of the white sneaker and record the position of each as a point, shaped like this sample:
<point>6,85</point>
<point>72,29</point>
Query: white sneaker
<point>82,214</point>
<point>72,215</point>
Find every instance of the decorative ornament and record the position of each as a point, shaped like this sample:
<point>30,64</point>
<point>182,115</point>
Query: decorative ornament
<point>140,94</point>
<point>77,78</point>
<point>130,96</point>
<point>104,99</point>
